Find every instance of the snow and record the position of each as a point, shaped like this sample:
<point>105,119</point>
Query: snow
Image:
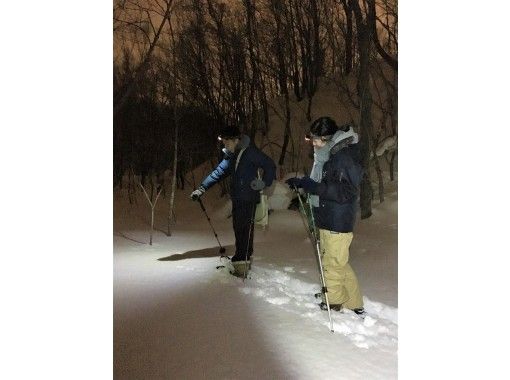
<point>280,197</point>
<point>177,316</point>
<point>388,144</point>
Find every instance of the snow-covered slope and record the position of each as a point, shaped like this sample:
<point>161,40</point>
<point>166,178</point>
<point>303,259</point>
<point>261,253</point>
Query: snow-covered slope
<point>177,316</point>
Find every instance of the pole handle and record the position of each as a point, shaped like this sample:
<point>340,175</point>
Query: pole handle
<point>201,204</point>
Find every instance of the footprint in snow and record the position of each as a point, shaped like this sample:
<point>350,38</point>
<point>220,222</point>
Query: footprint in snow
<point>279,288</point>
<point>278,300</point>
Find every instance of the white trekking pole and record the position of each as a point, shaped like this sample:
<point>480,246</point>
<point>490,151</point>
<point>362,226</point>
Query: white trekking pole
<point>318,251</point>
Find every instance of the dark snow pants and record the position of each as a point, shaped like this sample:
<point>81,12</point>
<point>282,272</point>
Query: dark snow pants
<point>243,213</point>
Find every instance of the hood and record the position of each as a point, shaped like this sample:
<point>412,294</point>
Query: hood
<point>343,138</point>
<point>244,142</point>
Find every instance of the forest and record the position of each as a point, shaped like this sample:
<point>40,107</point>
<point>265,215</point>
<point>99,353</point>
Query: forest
<point>184,68</point>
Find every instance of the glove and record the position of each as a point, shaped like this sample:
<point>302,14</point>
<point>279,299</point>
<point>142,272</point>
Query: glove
<point>196,194</point>
<point>294,182</point>
<point>257,184</point>
<point>309,185</point>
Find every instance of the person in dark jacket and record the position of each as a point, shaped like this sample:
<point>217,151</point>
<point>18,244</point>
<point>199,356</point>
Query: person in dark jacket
<point>334,187</point>
<point>242,162</point>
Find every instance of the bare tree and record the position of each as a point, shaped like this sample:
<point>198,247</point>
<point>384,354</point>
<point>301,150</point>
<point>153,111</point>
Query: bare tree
<point>230,68</point>
<point>257,80</point>
<point>279,44</point>
<point>237,62</point>
<point>173,94</point>
<point>348,36</point>
<point>171,211</point>
<point>152,10</point>
<point>153,205</point>
<point>389,24</point>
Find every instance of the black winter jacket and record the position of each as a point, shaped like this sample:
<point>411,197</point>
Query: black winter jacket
<point>251,160</point>
<point>338,190</point>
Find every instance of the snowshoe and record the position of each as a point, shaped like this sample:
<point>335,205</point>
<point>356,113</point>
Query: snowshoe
<point>335,307</point>
<point>338,307</point>
<point>241,269</point>
<point>360,312</point>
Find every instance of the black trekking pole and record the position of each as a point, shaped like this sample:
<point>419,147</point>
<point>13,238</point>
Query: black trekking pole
<point>222,249</point>
<point>318,251</point>
<point>248,245</point>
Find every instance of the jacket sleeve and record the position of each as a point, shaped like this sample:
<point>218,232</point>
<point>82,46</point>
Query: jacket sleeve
<point>223,169</point>
<point>265,162</point>
<point>343,187</point>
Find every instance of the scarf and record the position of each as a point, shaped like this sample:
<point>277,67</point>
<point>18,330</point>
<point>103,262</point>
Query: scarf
<point>321,155</point>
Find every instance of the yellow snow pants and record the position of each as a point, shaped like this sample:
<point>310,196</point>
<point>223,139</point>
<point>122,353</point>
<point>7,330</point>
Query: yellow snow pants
<point>342,284</point>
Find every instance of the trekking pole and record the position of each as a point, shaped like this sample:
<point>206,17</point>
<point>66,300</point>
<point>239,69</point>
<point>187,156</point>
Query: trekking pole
<point>222,249</point>
<point>248,245</point>
<point>318,251</point>
<point>311,234</point>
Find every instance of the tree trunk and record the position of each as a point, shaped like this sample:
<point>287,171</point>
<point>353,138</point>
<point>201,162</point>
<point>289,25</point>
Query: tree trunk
<point>348,41</point>
<point>257,82</point>
<point>131,187</point>
<point>286,136</point>
<point>175,91</point>
<point>392,165</point>
<point>153,205</point>
<point>282,75</point>
<point>152,225</point>
<point>315,57</point>
<point>366,187</point>
<point>292,46</point>
<point>365,98</point>
<point>174,174</point>
<point>379,178</point>
<point>309,108</point>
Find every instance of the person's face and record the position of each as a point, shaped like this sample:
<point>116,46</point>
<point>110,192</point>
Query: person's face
<point>230,144</point>
<point>318,142</point>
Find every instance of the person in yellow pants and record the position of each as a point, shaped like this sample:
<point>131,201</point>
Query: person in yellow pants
<point>342,283</point>
<point>334,187</point>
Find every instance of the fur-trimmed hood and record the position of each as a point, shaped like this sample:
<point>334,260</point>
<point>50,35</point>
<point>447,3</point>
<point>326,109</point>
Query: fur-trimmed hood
<point>343,138</point>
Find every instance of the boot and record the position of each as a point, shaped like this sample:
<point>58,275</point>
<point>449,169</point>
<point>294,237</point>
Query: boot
<point>335,307</point>
<point>338,307</point>
<point>240,268</point>
<point>360,312</point>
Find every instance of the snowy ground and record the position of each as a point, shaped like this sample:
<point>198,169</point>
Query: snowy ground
<point>177,316</point>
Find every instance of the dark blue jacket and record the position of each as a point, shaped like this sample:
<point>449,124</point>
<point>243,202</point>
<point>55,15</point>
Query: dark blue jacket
<point>338,190</point>
<point>240,179</point>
